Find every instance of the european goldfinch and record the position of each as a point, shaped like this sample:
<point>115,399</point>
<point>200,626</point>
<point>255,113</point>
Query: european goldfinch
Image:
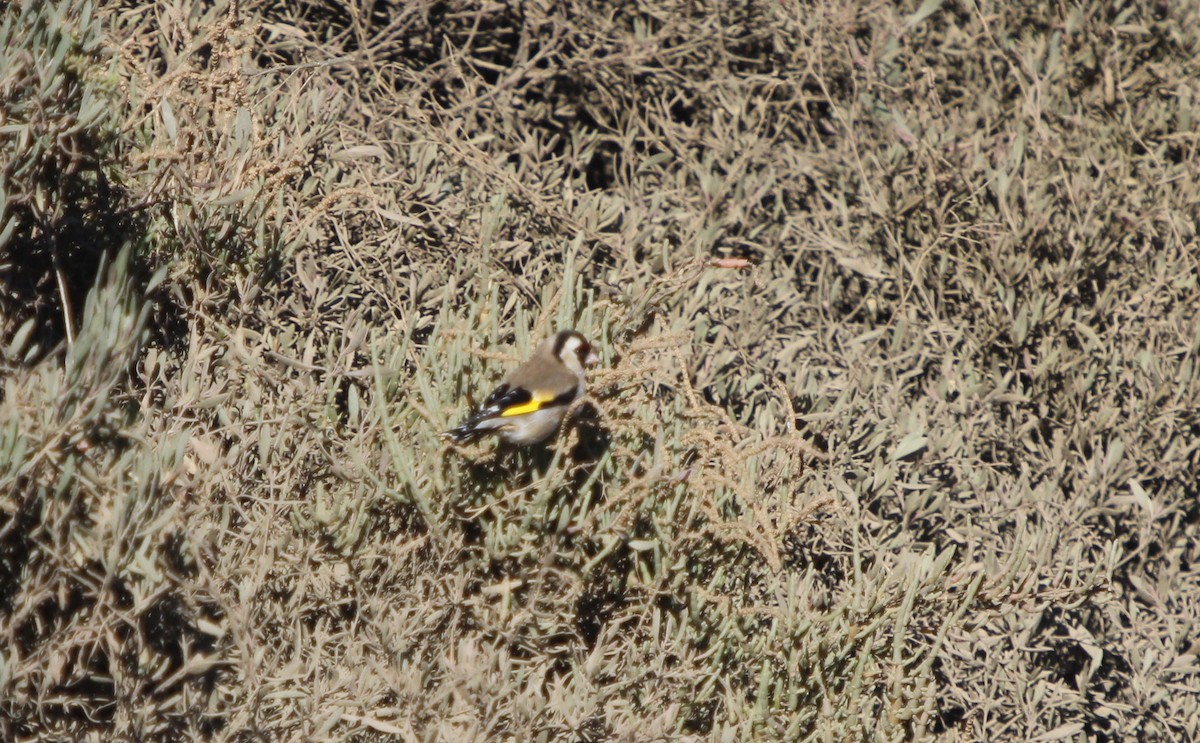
<point>529,405</point>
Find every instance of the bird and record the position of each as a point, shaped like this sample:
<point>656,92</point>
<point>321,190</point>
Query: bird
<point>530,403</point>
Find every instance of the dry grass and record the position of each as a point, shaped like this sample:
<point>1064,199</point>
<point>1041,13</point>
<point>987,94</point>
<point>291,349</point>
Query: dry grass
<point>896,435</point>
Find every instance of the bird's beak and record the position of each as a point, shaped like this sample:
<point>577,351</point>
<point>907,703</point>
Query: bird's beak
<point>591,359</point>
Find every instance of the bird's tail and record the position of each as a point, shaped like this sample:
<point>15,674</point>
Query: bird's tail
<point>475,427</point>
<point>462,434</point>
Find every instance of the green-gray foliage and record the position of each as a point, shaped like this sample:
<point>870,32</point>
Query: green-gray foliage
<point>895,435</point>
<point>56,123</point>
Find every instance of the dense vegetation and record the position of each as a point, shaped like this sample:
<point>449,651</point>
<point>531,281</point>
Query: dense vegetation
<point>896,434</point>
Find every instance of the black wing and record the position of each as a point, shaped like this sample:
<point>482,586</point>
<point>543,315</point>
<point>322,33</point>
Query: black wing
<point>502,398</point>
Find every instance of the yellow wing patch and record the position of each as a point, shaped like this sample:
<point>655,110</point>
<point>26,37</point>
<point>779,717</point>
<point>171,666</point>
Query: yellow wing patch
<point>532,406</point>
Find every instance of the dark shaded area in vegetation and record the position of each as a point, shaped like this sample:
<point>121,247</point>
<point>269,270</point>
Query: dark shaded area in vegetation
<point>895,435</point>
